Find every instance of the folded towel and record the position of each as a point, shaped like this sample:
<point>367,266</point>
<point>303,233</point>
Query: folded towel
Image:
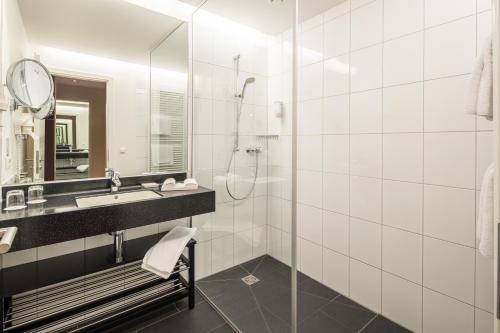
<point>170,185</point>
<point>480,101</point>
<point>484,232</point>
<point>162,257</point>
<point>82,168</point>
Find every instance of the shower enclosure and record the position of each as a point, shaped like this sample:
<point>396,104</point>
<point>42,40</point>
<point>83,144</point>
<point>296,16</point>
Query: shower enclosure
<point>373,196</point>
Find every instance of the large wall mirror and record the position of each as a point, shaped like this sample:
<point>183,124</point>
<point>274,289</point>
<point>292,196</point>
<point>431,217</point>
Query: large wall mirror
<point>119,71</point>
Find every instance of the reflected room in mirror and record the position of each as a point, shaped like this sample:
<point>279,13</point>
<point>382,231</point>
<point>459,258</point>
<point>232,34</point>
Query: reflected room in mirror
<point>83,97</point>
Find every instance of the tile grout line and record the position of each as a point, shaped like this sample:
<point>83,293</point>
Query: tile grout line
<point>422,238</point>
<point>382,170</point>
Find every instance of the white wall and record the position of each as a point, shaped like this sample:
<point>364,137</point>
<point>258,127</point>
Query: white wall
<point>14,47</point>
<point>389,164</point>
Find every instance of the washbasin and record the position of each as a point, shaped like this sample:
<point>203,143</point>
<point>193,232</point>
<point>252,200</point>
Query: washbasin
<point>115,198</point>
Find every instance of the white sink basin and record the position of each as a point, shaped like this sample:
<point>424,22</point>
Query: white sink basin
<point>115,198</point>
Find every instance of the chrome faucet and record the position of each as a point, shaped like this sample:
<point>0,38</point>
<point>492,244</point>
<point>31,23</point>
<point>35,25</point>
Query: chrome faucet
<point>115,179</point>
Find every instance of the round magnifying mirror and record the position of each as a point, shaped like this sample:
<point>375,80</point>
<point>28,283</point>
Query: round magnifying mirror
<point>30,84</point>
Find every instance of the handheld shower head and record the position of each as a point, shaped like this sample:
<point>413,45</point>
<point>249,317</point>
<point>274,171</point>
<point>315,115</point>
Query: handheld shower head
<point>248,81</point>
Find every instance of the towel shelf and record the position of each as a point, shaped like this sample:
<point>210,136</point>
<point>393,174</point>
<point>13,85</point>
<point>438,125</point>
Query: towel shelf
<point>92,301</point>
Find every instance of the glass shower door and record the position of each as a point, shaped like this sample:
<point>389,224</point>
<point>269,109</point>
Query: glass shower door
<point>242,148</point>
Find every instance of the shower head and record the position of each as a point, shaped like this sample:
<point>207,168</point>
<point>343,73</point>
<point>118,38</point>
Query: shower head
<point>249,80</point>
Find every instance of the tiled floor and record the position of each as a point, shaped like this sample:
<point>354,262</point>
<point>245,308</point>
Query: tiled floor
<point>265,305</point>
<point>175,317</point>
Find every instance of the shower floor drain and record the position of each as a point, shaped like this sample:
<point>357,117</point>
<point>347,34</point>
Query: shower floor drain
<point>250,279</point>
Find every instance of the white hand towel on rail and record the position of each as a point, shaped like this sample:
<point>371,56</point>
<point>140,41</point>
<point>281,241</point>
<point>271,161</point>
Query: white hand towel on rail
<point>163,256</point>
<point>480,99</point>
<point>484,230</point>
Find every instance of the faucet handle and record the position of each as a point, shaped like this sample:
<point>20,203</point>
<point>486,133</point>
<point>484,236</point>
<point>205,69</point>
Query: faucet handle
<point>109,172</point>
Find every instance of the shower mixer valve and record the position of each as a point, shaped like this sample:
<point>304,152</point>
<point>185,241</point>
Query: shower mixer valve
<point>254,149</point>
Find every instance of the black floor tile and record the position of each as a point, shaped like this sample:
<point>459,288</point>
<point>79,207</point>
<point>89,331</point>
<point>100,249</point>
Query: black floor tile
<point>233,273</point>
<point>276,324</point>
<point>223,329</point>
<point>252,322</point>
<point>140,321</point>
<point>348,313</point>
<point>313,287</point>
<point>237,301</point>
<point>201,319</point>
<point>319,323</point>
<point>384,325</point>
<point>183,303</point>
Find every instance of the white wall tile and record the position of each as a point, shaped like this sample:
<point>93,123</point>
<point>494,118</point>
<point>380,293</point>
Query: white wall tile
<point>403,60</point>
<point>203,263</point>
<point>449,214</point>
<point>336,232</point>
<point>449,159</point>
<point>59,249</point>
<point>366,69</point>
<point>311,223</point>
<point>260,211</point>
<point>483,5</point>
<point>336,192</point>
<point>311,261</point>
<point>336,76</point>
<point>336,115</point>
<point>336,271</point>
<point>243,215</point>
<point>440,11</point>
<point>312,81</point>
<point>311,23</point>
<point>366,198</point>
<point>450,49</point>
<point>223,220</point>
<point>402,17</point>
<point>484,28</point>
<point>311,117</point>
<point>366,25</point>
<point>336,36</point>
<point>274,248</point>
<point>358,3</point>
<point>443,263</point>
<point>311,45</point>
<point>336,153</point>
<point>203,115</point>
<point>336,11</point>
<point>10,259</point>
<point>203,223</point>
<point>403,205</point>
<point>403,157</point>
<point>402,302</point>
<point>222,253</point>
<point>483,321</point>
<point>484,283</point>
<point>366,155</point>
<point>403,108</point>
<point>366,112</point>
<point>444,108</point>
<point>311,152</point>
<point>259,241</point>
<point>243,246</point>
<point>203,154</point>
<point>445,314</point>
<point>365,285</point>
<point>365,241</point>
<point>402,254</point>
<point>311,189</point>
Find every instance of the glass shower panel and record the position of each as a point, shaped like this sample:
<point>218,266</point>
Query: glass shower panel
<point>242,148</point>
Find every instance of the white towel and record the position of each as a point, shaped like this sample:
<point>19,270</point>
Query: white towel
<point>484,230</point>
<point>480,99</point>
<point>82,168</point>
<point>163,256</point>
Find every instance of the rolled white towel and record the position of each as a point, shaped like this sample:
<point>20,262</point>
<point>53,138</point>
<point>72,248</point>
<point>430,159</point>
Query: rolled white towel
<point>162,257</point>
<point>484,232</point>
<point>82,168</point>
<point>480,99</point>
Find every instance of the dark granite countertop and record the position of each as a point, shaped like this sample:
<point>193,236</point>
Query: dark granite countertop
<point>59,219</point>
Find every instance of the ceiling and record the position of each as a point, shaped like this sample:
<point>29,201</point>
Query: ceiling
<point>113,29</point>
<point>260,15</point>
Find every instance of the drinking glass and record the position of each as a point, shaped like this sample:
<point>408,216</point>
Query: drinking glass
<point>35,194</point>
<point>15,200</point>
